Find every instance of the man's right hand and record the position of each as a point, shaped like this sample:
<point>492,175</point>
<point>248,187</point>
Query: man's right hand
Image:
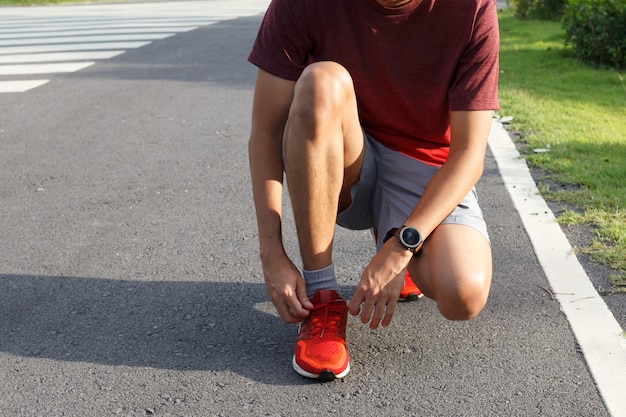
<point>286,289</point>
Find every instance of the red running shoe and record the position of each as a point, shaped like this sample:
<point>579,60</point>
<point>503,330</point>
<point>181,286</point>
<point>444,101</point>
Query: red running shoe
<point>321,350</point>
<point>409,291</point>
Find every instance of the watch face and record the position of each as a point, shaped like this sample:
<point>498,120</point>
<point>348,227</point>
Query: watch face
<point>411,237</point>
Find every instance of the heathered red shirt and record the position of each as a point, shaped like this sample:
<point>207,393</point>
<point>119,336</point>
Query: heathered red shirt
<point>411,65</point>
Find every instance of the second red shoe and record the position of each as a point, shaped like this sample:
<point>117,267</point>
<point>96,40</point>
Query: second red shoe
<point>409,291</point>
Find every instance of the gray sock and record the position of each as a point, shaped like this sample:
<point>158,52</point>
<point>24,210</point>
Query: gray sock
<point>320,279</point>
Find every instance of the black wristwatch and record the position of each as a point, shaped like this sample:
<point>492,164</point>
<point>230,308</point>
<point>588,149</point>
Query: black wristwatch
<point>409,237</point>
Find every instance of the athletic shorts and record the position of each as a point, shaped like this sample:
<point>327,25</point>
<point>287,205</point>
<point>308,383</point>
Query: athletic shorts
<point>389,188</point>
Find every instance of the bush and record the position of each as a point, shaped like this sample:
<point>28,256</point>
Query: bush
<point>595,29</point>
<point>539,9</point>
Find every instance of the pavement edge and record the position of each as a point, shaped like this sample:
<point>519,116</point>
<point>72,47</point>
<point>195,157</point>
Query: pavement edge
<point>599,335</point>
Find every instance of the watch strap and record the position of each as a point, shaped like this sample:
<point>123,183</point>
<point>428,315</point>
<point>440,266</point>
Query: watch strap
<point>390,233</point>
<point>393,232</point>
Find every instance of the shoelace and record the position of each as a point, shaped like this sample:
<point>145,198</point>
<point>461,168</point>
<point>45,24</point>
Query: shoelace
<point>332,316</point>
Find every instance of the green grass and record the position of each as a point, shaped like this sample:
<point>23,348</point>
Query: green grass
<point>579,113</point>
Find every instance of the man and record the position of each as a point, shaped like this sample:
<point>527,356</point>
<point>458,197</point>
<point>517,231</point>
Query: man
<point>378,113</point>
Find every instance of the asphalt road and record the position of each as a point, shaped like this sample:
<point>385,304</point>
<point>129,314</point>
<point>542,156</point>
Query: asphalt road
<point>130,283</point>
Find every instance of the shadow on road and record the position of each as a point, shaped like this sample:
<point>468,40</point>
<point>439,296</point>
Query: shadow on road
<point>167,325</point>
<point>216,54</point>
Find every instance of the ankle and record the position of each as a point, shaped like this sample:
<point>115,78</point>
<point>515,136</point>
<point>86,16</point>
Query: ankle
<point>320,279</point>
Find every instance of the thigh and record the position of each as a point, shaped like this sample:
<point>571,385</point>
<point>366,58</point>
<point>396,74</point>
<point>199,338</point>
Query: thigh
<point>454,268</point>
<point>324,107</point>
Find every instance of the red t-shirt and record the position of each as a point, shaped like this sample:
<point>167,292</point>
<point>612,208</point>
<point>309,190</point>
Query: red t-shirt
<point>411,65</point>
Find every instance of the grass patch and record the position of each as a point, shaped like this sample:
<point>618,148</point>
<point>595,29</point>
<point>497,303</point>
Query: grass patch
<point>609,237</point>
<point>577,112</point>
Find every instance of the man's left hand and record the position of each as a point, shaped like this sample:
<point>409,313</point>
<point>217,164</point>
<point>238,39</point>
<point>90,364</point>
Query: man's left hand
<point>377,293</point>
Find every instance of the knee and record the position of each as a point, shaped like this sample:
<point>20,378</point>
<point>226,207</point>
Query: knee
<point>464,301</point>
<point>321,91</point>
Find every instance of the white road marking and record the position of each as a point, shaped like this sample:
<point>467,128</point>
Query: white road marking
<point>67,38</point>
<point>87,38</point>
<point>24,35</point>
<point>34,49</point>
<point>20,86</point>
<point>58,57</point>
<point>30,69</point>
<point>598,333</point>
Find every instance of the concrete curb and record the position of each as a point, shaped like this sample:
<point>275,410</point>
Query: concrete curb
<point>598,333</point>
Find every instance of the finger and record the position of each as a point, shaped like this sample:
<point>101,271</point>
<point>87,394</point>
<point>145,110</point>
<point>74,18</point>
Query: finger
<point>296,309</point>
<point>378,315</point>
<point>391,308</point>
<point>366,311</point>
<point>303,299</point>
<point>353,311</point>
<point>354,305</point>
<point>289,308</point>
<point>286,315</point>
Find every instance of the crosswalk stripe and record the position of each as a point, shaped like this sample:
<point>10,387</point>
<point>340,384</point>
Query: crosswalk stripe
<point>20,86</point>
<point>34,49</point>
<point>13,25</point>
<point>87,38</point>
<point>43,68</point>
<point>59,39</point>
<point>90,32</point>
<point>58,56</point>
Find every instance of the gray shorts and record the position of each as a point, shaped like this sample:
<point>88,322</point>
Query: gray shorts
<point>390,186</point>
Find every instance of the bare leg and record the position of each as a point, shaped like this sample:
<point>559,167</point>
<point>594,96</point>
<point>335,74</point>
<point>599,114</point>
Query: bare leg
<point>323,154</point>
<point>454,269</point>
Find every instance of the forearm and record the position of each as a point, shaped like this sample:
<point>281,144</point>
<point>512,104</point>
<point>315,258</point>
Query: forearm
<point>267,187</point>
<point>284,283</point>
<point>460,172</point>
<point>445,190</point>
<point>272,99</point>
